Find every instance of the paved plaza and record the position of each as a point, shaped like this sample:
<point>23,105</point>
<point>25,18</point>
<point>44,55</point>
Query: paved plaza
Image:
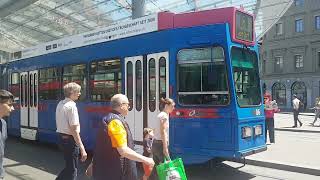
<point>294,156</point>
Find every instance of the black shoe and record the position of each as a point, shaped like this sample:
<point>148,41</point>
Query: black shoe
<point>300,124</point>
<point>294,126</point>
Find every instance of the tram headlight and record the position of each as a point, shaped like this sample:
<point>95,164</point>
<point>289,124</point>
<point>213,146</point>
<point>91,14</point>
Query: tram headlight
<point>246,132</point>
<point>257,130</point>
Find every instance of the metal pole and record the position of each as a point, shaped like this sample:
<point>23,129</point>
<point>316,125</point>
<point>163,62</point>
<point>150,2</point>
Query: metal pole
<point>138,8</point>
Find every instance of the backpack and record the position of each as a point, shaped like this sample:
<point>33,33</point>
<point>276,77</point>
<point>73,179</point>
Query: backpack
<point>301,106</point>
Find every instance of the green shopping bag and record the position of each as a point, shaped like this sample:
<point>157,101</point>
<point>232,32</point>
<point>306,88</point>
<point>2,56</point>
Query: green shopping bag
<point>171,170</point>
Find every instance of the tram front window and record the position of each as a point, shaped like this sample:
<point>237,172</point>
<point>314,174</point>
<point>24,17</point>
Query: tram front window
<point>202,77</point>
<point>246,77</point>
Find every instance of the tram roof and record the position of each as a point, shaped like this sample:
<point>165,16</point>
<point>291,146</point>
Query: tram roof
<point>27,23</point>
<point>156,22</point>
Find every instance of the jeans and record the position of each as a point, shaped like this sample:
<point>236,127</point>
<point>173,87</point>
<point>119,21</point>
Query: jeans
<point>71,152</point>
<point>295,117</point>
<point>270,129</point>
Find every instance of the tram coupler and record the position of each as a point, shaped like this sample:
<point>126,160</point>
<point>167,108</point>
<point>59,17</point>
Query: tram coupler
<point>244,160</point>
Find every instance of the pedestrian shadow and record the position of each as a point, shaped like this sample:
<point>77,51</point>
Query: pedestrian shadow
<point>46,157</point>
<point>218,170</point>
<point>286,127</point>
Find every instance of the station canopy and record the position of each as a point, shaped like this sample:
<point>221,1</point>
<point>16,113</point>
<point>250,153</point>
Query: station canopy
<point>25,23</point>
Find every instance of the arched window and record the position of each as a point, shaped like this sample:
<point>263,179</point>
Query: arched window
<point>299,89</point>
<point>279,94</point>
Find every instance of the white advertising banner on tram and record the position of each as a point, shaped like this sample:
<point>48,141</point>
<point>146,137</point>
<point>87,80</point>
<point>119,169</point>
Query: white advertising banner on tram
<point>117,31</point>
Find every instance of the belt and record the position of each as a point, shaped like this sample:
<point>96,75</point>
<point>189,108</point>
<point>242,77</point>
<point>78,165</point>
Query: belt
<point>157,141</point>
<point>66,136</point>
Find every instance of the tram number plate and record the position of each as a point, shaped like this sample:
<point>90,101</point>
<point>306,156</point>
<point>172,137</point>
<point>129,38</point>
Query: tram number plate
<point>256,112</point>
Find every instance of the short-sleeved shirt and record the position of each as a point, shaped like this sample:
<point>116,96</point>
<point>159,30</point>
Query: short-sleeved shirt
<point>295,103</point>
<point>67,116</point>
<point>117,133</point>
<point>162,117</point>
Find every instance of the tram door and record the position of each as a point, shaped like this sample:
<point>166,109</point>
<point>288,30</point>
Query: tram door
<point>29,104</point>
<point>146,81</point>
<point>134,92</point>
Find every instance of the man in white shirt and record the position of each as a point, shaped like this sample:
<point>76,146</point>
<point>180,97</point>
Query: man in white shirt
<point>296,104</point>
<point>68,127</point>
<point>6,107</point>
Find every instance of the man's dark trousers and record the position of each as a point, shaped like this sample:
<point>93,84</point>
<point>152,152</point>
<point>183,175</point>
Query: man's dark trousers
<point>71,157</point>
<point>295,117</point>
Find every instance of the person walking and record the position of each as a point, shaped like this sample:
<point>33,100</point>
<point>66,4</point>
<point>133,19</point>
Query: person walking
<point>296,106</point>
<point>316,110</point>
<point>160,147</point>
<point>270,107</point>
<point>114,157</point>
<point>68,127</point>
<point>6,107</point>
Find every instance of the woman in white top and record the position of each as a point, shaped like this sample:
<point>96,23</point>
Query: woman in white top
<point>160,147</point>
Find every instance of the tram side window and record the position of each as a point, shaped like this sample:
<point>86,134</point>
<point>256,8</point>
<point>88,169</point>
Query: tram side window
<point>130,84</point>
<point>202,77</point>
<point>246,77</point>
<point>105,79</point>
<point>162,79</point>
<point>35,90</point>
<point>21,90</point>
<point>138,85</point>
<point>15,85</point>
<point>31,95</point>
<point>76,73</point>
<point>152,85</point>
<point>49,84</point>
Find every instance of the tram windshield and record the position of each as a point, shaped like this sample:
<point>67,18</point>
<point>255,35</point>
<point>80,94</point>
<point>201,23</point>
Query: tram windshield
<point>246,77</point>
<point>202,77</point>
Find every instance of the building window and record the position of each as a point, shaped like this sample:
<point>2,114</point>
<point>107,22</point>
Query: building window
<point>299,25</point>
<point>279,29</point>
<point>279,93</point>
<point>264,66</point>
<point>298,2</point>
<point>278,64</point>
<point>317,22</point>
<point>298,61</point>
<point>319,58</point>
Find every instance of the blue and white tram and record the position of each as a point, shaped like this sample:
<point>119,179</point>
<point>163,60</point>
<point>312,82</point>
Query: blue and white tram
<point>206,61</point>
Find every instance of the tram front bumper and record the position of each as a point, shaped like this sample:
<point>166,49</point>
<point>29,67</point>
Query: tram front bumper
<point>253,151</point>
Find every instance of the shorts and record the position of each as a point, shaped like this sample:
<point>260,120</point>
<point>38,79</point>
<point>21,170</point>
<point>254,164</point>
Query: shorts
<point>147,169</point>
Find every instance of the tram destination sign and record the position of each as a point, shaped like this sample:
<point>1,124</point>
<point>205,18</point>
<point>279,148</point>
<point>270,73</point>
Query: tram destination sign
<point>116,31</point>
<point>244,26</point>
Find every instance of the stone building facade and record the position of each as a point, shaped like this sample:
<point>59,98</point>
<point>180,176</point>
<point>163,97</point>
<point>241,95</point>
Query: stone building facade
<point>290,55</point>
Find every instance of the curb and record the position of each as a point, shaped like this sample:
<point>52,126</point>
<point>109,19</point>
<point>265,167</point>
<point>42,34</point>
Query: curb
<point>300,114</point>
<point>282,166</point>
<point>296,130</point>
